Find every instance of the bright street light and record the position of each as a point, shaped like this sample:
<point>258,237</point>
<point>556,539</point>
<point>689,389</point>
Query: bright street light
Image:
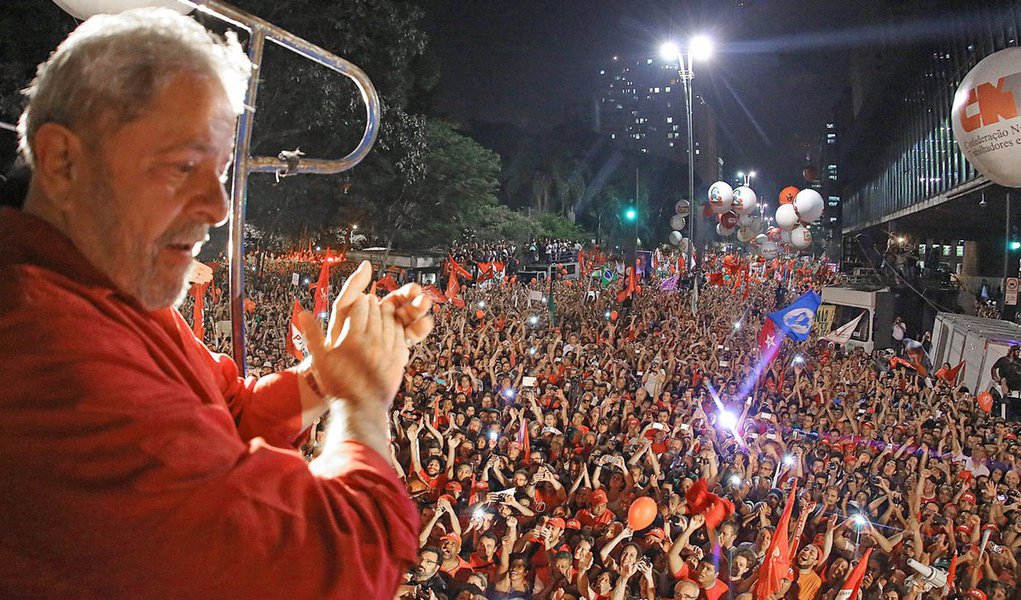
<point>631,214</point>
<point>700,47</point>
<point>751,174</point>
<point>669,51</point>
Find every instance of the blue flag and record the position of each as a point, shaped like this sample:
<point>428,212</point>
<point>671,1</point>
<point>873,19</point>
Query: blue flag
<point>796,320</point>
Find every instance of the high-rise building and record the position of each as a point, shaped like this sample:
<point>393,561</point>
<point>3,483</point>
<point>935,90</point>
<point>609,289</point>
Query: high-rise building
<point>909,193</point>
<point>641,108</point>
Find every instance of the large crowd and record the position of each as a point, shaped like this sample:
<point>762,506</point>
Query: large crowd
<point>526,430</point>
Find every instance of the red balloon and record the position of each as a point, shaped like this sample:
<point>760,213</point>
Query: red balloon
<point>479,314</point>
<point>613,315</point>
<point>985,401</point>
<point>787,194</point>
<point>642,513</point>
<point>810,174</point>
<point>729,219</point>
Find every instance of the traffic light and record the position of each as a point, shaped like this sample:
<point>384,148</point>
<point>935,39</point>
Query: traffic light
<point>1014,243</point>
<point>630,214</point>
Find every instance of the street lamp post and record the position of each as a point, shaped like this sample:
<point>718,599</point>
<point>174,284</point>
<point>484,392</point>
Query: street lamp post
<point>699,47</point>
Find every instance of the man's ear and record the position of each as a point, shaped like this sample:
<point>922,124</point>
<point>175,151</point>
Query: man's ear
<point>59,155</point>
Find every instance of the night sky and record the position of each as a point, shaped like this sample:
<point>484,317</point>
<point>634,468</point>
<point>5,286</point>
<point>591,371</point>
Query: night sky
<point>779,68</point>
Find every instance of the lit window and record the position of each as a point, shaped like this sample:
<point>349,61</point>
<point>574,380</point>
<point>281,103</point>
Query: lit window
<point>613,136</point>
<point>603,72</point>
<point>667,89</point>
<point>669,119</point>
<point>960,251</point>
<point>649,62</point>
<point>655,90</point>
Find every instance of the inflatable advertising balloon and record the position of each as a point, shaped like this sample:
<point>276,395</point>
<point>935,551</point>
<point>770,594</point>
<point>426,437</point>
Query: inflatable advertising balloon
<point>769,250</point>
<point>986,117</point>
<point>760,240</point>
<point>808,204</point>
<point>682,208</point>
<point>744,201</point>
<point>801,237</point>
<point>676,237</point>
<point>774,234</point>
<point>787,194</point>
<point>677,222</point>
<point>728,220</point>
<point>720,197</point>
<point>83,9</point>
<point>786,217</point>
<point>723,231</point>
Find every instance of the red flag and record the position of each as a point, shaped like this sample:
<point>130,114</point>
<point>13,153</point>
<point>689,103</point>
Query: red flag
<point>387,283</point>
<point>701,501</point>
<point>322,287</point>
<point>581,262</point>
<point>770,341</point>
<point>198,292</point>
<point>249,305</point>
<point>295,342</point>
<point>777,563</point>
<point>950,375</point>
<point>457,269</point>
<point>435,294</point>
<point>852,585</point>
<point>716,279</point>
<point>454,290</point>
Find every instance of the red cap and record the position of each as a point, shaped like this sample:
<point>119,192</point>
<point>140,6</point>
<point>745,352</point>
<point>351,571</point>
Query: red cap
<point>964,529</point>
<point>968,497</point>
<point>448,498</point>
<point>964,475</point>
<point>482,486</point>
<point>453,485</point>
<point>572,524</point>
<point>656,532</point>
<point>453,537</point>
<point>850,458</point>
<point>977,594</point>
<point>634,421</point>
<point>557,522</point>
<point>599,497</point>
<point>1010,436</point>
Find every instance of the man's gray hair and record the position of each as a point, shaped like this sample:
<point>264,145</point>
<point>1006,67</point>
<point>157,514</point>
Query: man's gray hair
<point>113,65</point>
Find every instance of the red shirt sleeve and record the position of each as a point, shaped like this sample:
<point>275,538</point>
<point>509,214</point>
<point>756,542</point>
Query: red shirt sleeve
<point>128,471</point>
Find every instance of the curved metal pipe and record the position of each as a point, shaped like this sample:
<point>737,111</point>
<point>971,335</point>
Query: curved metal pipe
<point>259,31</point>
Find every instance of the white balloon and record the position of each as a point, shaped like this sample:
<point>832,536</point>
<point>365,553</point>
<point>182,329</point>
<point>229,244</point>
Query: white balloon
<point>769,250</point>
<point>801,237</point>
<point>760,240</point>
<point>984,114</point>
<point>682,208</point>
<point>745,220</point>
<point>723,231</point>
<point>785,236</point>
<point>786,217</point>
<point>83,9</point>
<point>808,204</point>
<point>676,237</point>
<point>720,196</point>
<point>744,201</point>
<point>677,222</point>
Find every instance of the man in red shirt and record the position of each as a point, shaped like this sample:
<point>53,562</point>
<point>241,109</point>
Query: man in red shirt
<point>598,516</point>
<point>137,463</point>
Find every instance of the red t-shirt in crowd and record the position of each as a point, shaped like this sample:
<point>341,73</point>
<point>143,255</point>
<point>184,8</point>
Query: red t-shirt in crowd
<point>588,520</point>
<point>137,462</point>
